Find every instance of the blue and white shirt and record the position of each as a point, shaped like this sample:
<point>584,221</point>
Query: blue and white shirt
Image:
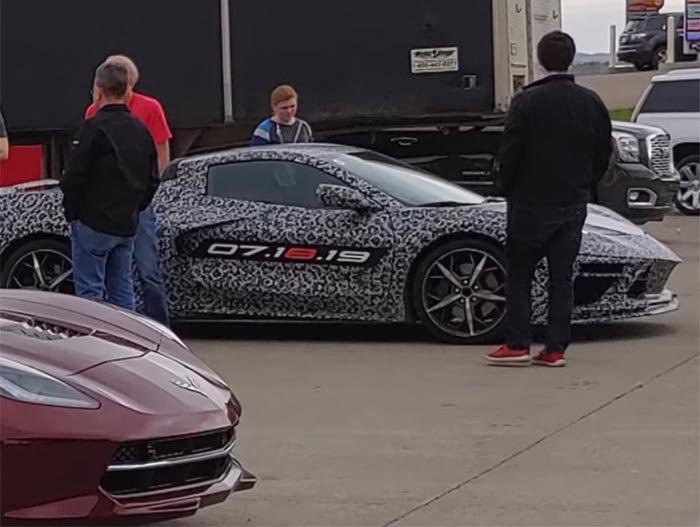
<point>270,132</point>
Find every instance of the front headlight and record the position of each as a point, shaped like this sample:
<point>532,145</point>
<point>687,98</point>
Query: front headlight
<point>627,146</point>
<point>29,385</point>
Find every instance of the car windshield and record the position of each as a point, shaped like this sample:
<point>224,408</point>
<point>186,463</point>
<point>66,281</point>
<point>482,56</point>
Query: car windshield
<point>405,183</point>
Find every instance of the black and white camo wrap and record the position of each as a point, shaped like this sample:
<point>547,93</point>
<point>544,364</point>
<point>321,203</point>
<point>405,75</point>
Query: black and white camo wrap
<point>623,255</point>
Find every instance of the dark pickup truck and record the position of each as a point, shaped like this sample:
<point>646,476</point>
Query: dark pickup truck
<point>644,41</point>
<point>640,184</point>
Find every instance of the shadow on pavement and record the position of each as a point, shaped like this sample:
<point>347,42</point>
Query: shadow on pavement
<point>390,333</point>
<point>303,331</point>
<point>622,331</point>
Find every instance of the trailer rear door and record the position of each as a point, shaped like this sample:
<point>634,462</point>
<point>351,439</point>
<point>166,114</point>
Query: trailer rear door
<point>49,50</point>
<point>363,58</point>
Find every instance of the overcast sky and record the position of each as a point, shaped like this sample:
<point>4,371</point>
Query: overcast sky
<point>589,21</point>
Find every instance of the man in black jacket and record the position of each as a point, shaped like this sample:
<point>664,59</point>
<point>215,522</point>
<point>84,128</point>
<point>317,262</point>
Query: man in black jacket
<point>111,176</point>
<point>555,149</point>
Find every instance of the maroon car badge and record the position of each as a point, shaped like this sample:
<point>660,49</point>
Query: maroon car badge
<point>188,384</point>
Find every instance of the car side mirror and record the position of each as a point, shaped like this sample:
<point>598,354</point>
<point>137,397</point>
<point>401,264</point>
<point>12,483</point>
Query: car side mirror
<point>339,197</point>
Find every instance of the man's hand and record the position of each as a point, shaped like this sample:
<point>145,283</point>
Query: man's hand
<point>4,142</point>
<point>163,150</point>
<point>512,147</point>
<point>604,143</point>
<point>4,148</point>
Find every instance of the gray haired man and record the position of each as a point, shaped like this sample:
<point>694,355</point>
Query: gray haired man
<point>111,176</point>
<point>146,259</point>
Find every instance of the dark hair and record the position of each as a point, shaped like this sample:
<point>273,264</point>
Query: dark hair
<point>556,51</point>
<point>112,79</point>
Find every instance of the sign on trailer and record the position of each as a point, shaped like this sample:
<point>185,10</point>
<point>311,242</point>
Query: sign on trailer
<point>434,60</point>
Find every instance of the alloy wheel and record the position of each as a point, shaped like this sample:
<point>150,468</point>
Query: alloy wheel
<point>463,292</point>
<point>689,192</point>
<point>42,269</point>
<point>661,56</point>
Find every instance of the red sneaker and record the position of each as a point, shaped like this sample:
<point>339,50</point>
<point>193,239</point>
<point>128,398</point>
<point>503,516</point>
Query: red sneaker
<point>553,360</point>
<point>504,356</point>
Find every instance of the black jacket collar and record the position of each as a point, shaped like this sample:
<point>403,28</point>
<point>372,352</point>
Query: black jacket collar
<point>115,108</point>
<point>552,78</point>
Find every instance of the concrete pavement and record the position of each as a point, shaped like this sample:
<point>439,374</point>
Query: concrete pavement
<point>375,426</point>
<point>619,90</point>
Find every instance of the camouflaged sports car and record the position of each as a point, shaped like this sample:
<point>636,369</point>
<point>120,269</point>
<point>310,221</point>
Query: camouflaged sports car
<point>322,232</point>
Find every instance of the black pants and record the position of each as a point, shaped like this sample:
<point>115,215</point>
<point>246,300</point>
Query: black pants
<point>535,232</point>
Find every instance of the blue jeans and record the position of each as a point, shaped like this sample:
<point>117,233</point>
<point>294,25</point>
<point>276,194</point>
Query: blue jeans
<point>147,268</point>
<point>102,266</point>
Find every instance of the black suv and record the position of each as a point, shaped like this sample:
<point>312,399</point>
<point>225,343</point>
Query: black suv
<point>644,40</point>
<point>640,184</point>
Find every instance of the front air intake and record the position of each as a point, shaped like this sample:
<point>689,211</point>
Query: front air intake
<point>40,329</point>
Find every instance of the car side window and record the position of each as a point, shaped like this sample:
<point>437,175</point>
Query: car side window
<point>673,97</point>
<point>656,23</point>
<point>269,181</point>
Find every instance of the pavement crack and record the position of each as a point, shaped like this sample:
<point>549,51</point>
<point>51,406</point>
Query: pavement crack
<point>539,441</point>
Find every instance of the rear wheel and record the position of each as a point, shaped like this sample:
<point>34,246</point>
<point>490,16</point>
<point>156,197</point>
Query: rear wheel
<point>459,292</point>
<point>659,57</point>
<point>43,264</point>
<point>688,197</point>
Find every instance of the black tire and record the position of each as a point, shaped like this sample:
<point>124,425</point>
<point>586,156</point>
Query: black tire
<point>425,282</point>
<point>688,163</point>
<point>57,252</point>
<point>658,57</point>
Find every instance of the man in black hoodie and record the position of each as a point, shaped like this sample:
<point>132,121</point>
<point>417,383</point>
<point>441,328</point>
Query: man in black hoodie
<point>111,176</point>
<point>555,149</point>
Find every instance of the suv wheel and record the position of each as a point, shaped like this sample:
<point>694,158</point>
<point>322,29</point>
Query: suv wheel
<point>660,57</point>
<point>688,197</point>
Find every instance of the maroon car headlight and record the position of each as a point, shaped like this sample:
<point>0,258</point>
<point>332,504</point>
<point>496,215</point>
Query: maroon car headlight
<point>29,385</point>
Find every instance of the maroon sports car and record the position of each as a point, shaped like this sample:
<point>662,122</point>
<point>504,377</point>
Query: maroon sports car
<point>106,414</point>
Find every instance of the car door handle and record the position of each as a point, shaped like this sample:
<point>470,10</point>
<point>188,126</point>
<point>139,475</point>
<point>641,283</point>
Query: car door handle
<point>404,141</point>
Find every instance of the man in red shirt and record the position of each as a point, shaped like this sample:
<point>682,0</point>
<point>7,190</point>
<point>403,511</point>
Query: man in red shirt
<point>147,109</point>
<point>150,112</point>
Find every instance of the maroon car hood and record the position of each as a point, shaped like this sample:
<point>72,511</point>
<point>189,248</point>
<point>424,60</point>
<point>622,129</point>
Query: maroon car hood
<point>66,334</point>
<point>154,385</point>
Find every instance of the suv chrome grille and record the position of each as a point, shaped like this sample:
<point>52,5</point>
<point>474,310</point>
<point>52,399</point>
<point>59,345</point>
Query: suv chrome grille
<point>660,158</point>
